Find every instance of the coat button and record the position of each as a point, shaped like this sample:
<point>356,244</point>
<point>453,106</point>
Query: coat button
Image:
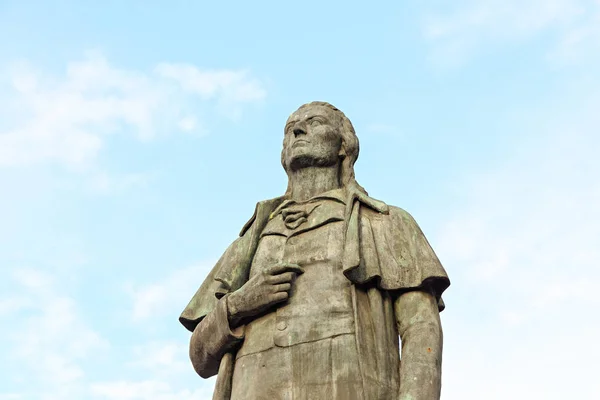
<point>281,325</point>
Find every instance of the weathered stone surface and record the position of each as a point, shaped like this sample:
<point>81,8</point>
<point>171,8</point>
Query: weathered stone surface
<point>311,300</point>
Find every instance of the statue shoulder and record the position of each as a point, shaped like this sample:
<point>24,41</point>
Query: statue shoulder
<point>379,210</point>
<point>396,221</point>
<point>401,214</point>
<point>262,209</point>
<point>402,219</point>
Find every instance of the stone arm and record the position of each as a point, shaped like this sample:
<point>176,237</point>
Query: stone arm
<point>420,330</point>
<point>212,338</point>
<point>222,329</point>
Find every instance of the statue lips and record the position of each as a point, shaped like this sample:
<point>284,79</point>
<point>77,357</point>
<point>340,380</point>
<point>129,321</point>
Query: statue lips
<point>300,142</point>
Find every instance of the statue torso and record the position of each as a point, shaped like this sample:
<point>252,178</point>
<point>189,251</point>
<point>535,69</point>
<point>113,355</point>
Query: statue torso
<point>305,348</point>
<point>320,303</point>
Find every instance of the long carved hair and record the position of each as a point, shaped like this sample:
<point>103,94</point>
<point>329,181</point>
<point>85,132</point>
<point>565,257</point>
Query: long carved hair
<point>349,154</point>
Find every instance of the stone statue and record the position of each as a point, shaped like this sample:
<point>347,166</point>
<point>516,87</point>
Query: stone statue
<point>311,299</point>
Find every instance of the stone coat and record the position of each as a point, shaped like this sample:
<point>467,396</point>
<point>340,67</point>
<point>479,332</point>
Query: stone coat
<point>385,254</point>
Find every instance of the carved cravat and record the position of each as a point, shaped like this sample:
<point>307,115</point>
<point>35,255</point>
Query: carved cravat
<point>296,214</point>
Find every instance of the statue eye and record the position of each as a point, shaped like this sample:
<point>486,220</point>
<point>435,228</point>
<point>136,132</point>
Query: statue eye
<point>315,122</point>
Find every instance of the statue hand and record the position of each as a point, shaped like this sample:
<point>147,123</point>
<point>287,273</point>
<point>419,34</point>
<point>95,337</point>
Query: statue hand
<point>262,291</point>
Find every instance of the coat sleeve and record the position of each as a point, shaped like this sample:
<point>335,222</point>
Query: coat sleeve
<point>206,314</point>
<point>213,288</point>
<point>420,330</point>
<point>212,338</point>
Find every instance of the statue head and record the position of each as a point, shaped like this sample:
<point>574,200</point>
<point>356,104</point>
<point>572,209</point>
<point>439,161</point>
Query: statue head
<point>318,134</point>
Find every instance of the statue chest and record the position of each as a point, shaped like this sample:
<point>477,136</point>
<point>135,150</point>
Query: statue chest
<point>320,302</point>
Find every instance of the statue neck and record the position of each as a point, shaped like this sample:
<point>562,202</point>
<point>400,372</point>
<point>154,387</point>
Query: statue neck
<point>312,181</point>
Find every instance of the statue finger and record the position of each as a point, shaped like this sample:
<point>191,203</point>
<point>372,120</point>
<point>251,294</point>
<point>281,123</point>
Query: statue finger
<point>283,287</point>
<point>285,267</point>
<point>279,296</point>
<point>286,277</point>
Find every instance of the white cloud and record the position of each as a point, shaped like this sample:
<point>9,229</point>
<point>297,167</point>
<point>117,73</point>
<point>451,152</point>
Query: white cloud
<point>187,124</point>
<point>234,85</point>
<point>235,88</point>
<point>522,318</point>
<point>146,390</point>
<point>50,345</point>
<point>12,304</point>
<point>66,119</point>
<point>581,41</point>
<point>164,361</point>
<point>164,358</point>
<point>47,337</point>
<point>471,25</point>
<point>168,296</point>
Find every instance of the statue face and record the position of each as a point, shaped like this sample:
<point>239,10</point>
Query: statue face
<point>312,138</point>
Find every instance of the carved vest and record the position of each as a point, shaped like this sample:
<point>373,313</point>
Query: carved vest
<point>320,302</point>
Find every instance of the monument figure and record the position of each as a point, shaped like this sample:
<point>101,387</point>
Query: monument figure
<point>313,298</point>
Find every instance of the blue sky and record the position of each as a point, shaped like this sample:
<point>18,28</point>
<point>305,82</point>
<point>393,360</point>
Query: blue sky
<point>136,138</point>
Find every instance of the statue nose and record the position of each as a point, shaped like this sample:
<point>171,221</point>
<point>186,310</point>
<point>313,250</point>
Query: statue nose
<point>299,131</point>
